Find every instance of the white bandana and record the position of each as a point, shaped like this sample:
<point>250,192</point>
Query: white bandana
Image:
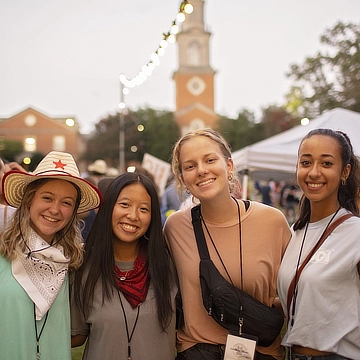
<point>42,273</point>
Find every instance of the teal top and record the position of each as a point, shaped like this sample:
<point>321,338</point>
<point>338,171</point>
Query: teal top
<point>17,326</point>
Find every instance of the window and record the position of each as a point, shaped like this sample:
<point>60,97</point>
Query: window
<point>30,144</point>
<point>194,53</point>
<point>59,143</point>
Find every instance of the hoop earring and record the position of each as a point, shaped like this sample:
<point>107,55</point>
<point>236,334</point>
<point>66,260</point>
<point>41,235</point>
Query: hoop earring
<point>343,182</point>
<point>146,237</point>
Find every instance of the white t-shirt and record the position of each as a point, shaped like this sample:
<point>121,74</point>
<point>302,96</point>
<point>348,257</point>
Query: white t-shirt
<point>6,212</point>
<point>327,311</point>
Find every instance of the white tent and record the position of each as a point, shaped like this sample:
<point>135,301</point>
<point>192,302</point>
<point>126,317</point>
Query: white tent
<point>276,157</point>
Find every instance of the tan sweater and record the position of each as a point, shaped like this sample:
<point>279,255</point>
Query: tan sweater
<point>265,235</point>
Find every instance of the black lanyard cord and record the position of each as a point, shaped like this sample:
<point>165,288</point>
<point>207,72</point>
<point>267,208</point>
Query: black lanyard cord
<point>241,320</point>
<point>38,335</point>
<point>213,243</point>
<point>129,336</point>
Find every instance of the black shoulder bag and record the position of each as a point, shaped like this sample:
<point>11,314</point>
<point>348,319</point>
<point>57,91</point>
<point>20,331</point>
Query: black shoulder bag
<point>232,308</point>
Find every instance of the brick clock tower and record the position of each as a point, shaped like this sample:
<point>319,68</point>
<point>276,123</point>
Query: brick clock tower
<point>194,78</point>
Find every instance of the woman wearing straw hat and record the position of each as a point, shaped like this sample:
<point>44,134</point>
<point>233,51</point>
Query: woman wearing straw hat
<point>42,244</point>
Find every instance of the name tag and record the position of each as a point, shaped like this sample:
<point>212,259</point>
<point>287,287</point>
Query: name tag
<point>240,347</point>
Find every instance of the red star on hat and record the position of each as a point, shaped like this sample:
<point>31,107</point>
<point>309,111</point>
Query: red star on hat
<point>59,164</point>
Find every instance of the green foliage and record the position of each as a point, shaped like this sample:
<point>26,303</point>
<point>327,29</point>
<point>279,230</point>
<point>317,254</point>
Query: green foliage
<point>10,149</point>
<point>242,131</point>
<point>331,78</point>
<point>160,133</point>
<point>277,119</point>
<point>245,131</point>
<point>104,142</point>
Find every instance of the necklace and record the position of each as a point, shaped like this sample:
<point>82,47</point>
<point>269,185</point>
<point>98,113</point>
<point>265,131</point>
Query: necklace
<point>122,277</point>
<point>38,335</point>
<point>52,243</point>
<point>298,265</point>
<point>129,335</point>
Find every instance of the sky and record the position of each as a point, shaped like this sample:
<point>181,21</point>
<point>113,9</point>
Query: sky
<point>64,58</point>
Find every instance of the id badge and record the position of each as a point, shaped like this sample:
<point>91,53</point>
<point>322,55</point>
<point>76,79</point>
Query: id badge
<point>241,347</point>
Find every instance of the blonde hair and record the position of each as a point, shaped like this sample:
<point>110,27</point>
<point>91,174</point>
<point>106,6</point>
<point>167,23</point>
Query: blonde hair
<point>212,135</point>
<point>12,238</point>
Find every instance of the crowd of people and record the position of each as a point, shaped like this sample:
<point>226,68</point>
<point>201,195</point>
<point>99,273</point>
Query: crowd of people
<point>104,262</point>
<point>284,195</point>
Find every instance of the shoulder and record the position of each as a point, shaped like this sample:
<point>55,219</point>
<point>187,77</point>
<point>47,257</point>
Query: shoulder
<point>267,217</point>
<point>178,217</point>
<point>178,224</point>
<point>352,223</point>
<point>266,210</point>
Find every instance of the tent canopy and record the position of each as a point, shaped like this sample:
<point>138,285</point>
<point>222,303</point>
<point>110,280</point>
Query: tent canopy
<point>275,157</point>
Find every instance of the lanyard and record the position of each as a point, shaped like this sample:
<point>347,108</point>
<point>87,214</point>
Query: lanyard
<point>129,335</point>
<point>298,271</point>
<point>38,335</point>
<point>222,262</point>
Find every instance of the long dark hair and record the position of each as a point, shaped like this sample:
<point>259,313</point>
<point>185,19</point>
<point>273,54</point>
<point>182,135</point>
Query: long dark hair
<point>348,193</point>
<point>99,260</point>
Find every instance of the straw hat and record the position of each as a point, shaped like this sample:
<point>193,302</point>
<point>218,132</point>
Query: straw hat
<point>55,165</point>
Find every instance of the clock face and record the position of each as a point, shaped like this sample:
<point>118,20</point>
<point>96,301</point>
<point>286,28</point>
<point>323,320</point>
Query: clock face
<point>196,85</point>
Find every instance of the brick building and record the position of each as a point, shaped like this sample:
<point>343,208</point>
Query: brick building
<point>40,133</point>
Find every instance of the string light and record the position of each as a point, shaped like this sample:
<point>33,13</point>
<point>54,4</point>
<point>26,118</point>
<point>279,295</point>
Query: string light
<point>169,37</point>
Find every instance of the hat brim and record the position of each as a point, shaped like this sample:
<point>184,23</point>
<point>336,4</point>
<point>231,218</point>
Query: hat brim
<point>15,182</point>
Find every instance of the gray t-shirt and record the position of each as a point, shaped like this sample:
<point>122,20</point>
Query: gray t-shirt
<point>106,329</point>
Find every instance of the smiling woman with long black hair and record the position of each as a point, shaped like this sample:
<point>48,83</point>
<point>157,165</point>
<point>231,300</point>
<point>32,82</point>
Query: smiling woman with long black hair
<point>124,293</point>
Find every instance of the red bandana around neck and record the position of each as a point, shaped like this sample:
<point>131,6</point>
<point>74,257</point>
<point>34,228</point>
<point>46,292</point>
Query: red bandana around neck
<point>135,283</point>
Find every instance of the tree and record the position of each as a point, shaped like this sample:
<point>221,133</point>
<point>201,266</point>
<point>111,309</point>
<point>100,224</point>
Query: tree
<point>277,119</point>
<point>329,79</point>
<point>157,138</point>
<point>10,149</point>
<point>104,141</point>
<point>160,134</point>
<point>242,131</point>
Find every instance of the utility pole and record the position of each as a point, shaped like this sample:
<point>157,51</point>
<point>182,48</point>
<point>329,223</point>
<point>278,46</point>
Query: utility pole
<point>121,131</point>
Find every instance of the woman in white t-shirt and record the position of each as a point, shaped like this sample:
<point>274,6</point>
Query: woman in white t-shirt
<point>323,311</point>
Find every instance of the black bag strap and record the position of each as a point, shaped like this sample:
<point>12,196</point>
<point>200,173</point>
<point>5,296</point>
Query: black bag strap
<point>199,234</point>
